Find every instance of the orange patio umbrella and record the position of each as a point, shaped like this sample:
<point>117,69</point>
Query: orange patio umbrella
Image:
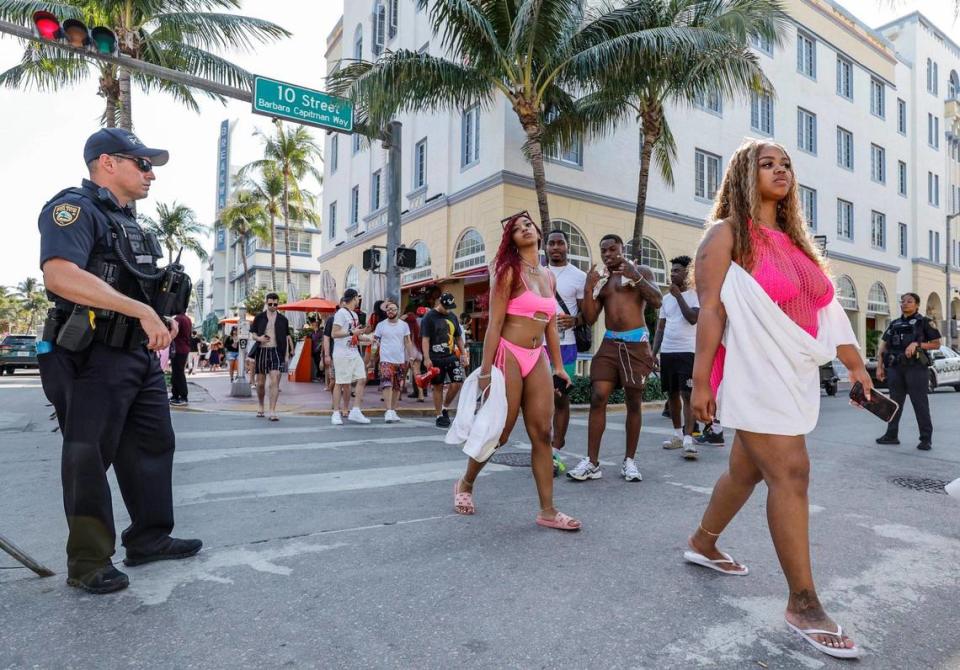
<point>310,305</point>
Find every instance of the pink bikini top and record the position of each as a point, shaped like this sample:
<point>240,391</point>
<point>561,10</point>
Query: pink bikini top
<point>528,304</point>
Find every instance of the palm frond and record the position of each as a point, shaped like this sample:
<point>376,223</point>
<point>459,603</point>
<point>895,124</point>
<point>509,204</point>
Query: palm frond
<point>196,61</point>
<point>21,11</point>
<point>45,69</point>
<point>212,30</point>
<point>467,31</point>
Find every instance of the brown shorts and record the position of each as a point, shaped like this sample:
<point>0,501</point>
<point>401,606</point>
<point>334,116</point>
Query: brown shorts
<point>627,364</point>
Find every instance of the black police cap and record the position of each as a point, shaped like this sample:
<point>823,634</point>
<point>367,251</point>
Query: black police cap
<point>120,141</point>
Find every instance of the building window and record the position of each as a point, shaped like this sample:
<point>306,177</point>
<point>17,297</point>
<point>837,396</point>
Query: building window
<point>933,131</point>
<point>333,159</point>
<point>878,105</point>
<point>354,207</point>
<point>761,113</point>
<point>762,44</point>
<point>332,221</point>
<point>711,102</point>
<point>902,239</point>
<point>470,136</point>
<point>936,79</point>
<point>578,252</point>
<point>352,278</point>
<point>844,78</point>
<point>420,164</point>
<point>394,18</point>
<point>901,178</point>
<point>652,257</point>
<point>806,55</point>
<point>901,116</point>
<point>878,230</point>
<point>470,252</point>
<point>379,27</point>
<point>847,293</point>
<point>933,189</point>
<point>808,200</point>
<point>300,240</point>
<point>707,174</point>
<point>807,130</point>
<point>356,143</point>
<point>933,244</point>
<point>375,184</point>
<point>358,43</point>
<point>844,148</point>
<point>929,76</point>
<point>844,219</point>
<point>877,302</point>
<point>422,270</point>
<point>878,164</point>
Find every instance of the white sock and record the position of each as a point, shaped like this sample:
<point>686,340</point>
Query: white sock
<point>678,432</point>
<point>687,440</point>
<point>717,428</point>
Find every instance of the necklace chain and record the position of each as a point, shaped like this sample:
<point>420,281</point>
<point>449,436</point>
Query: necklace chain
<point>531,269</point>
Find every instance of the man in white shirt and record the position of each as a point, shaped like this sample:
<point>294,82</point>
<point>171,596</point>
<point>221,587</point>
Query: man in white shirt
<point>348,364</point>
<point>676,342</point>
<point>570,281</point>
<point>394,338</point>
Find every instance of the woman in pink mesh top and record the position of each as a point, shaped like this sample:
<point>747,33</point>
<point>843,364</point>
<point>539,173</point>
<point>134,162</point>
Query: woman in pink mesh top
<point>758,262</point>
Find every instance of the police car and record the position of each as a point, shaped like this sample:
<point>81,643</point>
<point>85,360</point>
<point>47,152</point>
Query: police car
<point>945,370</point>
<point>18,351</point>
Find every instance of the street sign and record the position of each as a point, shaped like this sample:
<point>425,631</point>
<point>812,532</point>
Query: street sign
<point>301,105</point>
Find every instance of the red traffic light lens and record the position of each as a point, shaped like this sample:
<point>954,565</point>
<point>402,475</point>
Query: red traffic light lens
<point>47,25</point>
<point>104,39</point>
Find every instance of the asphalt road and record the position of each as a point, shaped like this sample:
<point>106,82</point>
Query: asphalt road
<point>330,547</point>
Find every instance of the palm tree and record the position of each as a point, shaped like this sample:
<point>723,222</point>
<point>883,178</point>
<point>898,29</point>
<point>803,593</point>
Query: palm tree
<point>722,65</point>
<point>266,190</point>
<point>176,34</point>
<point>176,227</point>
<point>292,155</point>
<point>533,52</point>
<point>31,300</point>
<point>245,217</point>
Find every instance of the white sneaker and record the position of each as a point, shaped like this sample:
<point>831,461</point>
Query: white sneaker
<point>585,470</point>
<point>673,443</point>
<point>629,471</point>
<point>335,418</point>
<point>357,416</point>
<point>689,449</point>
<point>390,416</point>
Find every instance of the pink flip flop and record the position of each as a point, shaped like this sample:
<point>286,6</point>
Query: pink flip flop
<point>462,501</point>
<point>561,522</point>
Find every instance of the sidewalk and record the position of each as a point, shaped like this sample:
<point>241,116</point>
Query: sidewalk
<point>210,392</point>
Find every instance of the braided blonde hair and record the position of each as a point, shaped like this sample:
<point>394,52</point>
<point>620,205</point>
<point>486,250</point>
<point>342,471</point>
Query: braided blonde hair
<point>738,200</point>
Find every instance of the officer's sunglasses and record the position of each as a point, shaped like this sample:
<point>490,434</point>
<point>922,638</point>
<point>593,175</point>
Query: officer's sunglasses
<point>142,163</point>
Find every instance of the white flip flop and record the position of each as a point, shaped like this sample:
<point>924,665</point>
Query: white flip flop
<point>836,652</point>
<point>714,564</point>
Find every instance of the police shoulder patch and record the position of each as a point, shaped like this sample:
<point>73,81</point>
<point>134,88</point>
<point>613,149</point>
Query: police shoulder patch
<point>64,214</point>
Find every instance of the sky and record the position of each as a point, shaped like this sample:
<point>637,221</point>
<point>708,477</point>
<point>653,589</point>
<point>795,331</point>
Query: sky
<point>44,132</point>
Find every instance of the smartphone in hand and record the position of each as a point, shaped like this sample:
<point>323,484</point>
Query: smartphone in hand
<point>560,384</point>
<point>879,405</point>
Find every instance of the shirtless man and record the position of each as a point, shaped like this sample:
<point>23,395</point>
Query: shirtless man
<point>622,290</point>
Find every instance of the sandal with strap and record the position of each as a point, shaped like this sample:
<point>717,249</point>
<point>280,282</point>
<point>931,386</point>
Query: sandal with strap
<point>561,522</point>
<point>715,564</point>
<point>837,652</point>
<point>260,415</point>
<point>463,500</point>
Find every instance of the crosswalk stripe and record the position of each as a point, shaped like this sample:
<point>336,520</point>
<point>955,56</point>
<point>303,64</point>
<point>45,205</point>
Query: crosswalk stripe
<point>324,482</point>
<point>202,455</point>
<point>322,424</point>
<point>620,427</point>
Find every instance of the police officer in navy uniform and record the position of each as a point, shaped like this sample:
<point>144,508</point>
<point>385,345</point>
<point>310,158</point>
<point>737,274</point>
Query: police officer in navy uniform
<point>98,366</point>
<point>903,361</point>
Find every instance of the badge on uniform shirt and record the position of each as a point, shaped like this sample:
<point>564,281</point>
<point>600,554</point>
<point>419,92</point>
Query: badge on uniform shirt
<point>912,322</point>
<point>64,214</point>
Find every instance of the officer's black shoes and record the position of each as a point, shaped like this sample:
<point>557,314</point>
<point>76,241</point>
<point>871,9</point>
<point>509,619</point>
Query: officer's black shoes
<point>888,439</point>
<point>102,580</point>
<point>171,550</point>
<point>924,446</point>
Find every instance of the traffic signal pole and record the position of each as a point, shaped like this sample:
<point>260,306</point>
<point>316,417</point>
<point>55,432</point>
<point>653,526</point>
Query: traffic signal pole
<point>125,61</point>
<point>393,145</point>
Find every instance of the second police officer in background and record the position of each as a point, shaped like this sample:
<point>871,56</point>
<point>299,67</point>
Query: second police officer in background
<point>97,361</point>
<point>903,360</point>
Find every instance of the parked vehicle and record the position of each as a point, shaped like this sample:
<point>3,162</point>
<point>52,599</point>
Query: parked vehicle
<point>18,351</point>
<point>945,370</point>
<point>829,380</point>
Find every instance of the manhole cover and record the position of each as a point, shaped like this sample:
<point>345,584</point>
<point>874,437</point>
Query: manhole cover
<point>513,459</point>
<point>920,484</point>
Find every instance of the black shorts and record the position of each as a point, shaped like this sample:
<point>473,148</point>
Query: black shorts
<point>268,360</point>
<point>451,371</point>
<point>676,372</point>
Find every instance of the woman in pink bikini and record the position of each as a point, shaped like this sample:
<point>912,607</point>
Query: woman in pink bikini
<point>522,318</point>
<point>760,243</point>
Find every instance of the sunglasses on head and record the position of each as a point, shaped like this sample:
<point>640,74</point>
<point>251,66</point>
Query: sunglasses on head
<point>518,215</point>
<point>142,163</point>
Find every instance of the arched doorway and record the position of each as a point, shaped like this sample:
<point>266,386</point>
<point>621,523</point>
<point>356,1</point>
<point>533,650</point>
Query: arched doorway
<point>847,296</point>
<point>470,251</point>
<point>651,255</point>
<point>352,278</point>
<point>878,312</point>
<point>934,308</point>
<point>422,270</point>
<point>578,251</point>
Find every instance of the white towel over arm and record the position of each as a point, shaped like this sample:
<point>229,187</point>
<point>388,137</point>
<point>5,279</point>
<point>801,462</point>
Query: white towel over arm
<point>771,380</point>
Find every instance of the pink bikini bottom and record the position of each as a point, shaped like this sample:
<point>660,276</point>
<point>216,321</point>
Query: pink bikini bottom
<point>526,358</point>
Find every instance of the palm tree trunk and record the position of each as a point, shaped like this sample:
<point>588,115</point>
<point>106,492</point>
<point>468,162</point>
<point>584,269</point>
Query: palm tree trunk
<point>273,252</point>
<point>286,225</point>
<point>652,126</point>
<point>246,270</point>
<point>126,104</point>
<point>533,130</point>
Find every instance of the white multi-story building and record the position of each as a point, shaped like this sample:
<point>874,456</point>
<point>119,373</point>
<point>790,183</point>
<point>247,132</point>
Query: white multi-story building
<point>852,107</point>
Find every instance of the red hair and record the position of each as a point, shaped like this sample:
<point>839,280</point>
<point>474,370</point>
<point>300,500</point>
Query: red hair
<point>508,256</point>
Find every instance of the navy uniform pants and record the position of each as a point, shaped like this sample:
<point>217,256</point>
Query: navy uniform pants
<point>112,409</point>
<point>911,379</point>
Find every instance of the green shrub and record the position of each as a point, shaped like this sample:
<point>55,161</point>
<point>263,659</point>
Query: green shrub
<point>580,394</point>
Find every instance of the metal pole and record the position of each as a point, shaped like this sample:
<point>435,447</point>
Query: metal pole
<point>132,64</point>
<point>948,312</point>
<point>393,208</point>
<point>24,558</point>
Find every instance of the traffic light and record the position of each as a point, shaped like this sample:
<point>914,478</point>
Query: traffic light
<point>104,40</point>
<point>47,25</point>
<point>406,258</point>
<point>76,33</point>
<point>371,259</point>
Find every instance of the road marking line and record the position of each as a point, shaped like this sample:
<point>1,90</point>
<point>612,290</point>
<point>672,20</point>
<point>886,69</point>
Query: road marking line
<point>323,482</point>
<point>319,426</point>
<point>200,455</point>
<point>620,427</point>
